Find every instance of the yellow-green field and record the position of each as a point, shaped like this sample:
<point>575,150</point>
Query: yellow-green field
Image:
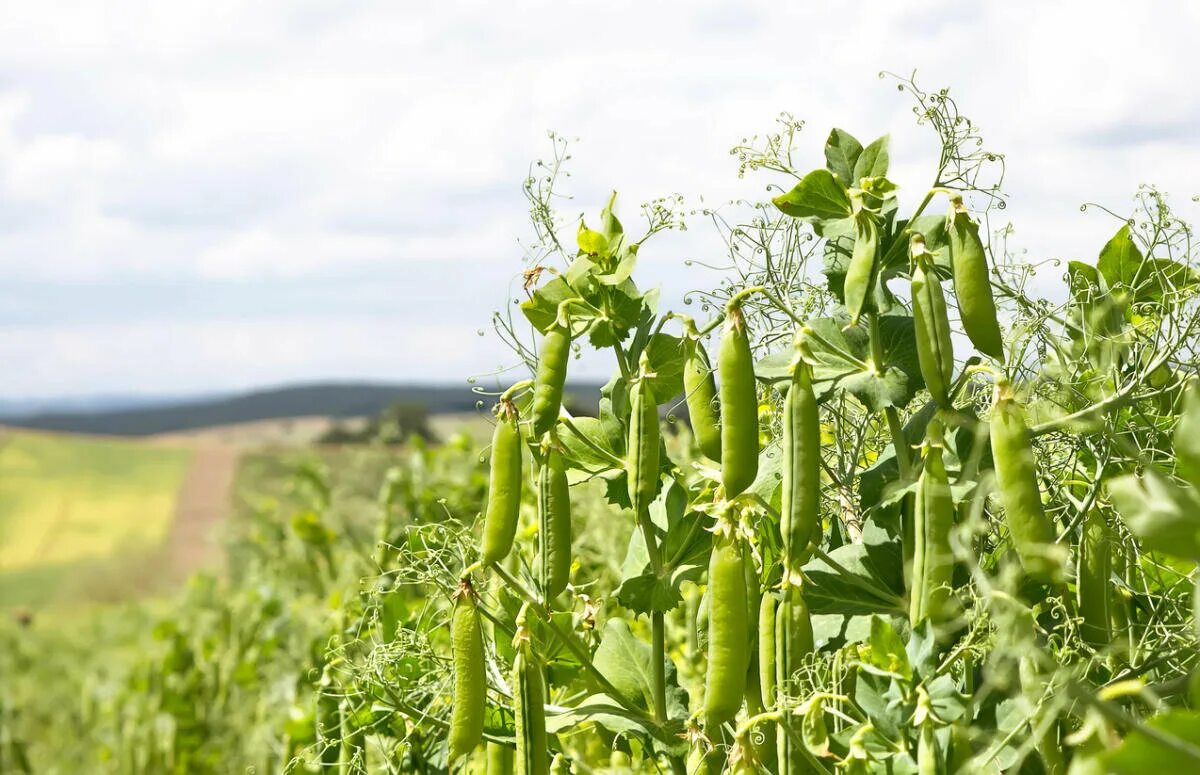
<point>76,511</point>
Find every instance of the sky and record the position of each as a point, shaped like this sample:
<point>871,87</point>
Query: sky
<point>200,197</point>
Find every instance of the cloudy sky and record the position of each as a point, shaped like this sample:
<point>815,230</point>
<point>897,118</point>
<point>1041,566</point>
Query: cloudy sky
<point>219,195</point>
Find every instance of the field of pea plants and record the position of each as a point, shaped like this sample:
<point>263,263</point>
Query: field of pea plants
<point>869,505</point>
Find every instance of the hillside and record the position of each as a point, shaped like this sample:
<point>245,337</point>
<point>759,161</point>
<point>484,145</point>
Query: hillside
<point>332,399</point>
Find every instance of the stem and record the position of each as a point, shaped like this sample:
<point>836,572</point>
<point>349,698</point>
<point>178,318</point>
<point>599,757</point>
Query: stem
<point>899,443</point>
<point>658,667</point>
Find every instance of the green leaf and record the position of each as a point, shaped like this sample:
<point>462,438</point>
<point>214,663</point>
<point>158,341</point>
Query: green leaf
<point>873,162</point>
<point>869,577</point>
<point>541,309</point>
<point>581,438</point>
<point>667,355</point>
<point>1164,516</point>
<point>591,242</point>
<point>1120,259</point>
<point>627,663</point>
<point>1141,753</point>
<point>818,196</point>
<point>841,155</point>
<point>886,651</point>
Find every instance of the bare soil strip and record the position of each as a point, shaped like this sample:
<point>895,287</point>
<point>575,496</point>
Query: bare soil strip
<point>204,501</point>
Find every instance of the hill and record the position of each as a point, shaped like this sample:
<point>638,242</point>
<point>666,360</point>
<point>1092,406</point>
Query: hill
<point>330,399</point>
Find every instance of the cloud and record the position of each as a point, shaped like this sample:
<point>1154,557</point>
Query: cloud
<point>196,167</point>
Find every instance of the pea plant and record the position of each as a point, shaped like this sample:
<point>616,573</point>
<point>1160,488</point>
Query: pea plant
<point>923,520</point>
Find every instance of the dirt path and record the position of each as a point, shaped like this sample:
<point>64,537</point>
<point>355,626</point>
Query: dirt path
<point>203,503</point>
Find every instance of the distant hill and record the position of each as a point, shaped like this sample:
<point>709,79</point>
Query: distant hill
<point>331,399</point>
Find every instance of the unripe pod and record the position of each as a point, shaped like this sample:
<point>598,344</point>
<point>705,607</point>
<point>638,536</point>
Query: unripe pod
<point>972,286</point>
<point>529,710</point>
<point>504,490</point>
<point>793,642</point>
<point>1093,581</point>
<point>554,529</point>
<point>499,759</point>
<point>933,558</point>
<point>1016,480</point>
<point>643,457</point>
<point>799,513</point>
<point>701,390</point>
<point>863,267</point>
<point>470,678</point>
<point>739,406</point>
<point>725,679</point>
<point>550,379</point>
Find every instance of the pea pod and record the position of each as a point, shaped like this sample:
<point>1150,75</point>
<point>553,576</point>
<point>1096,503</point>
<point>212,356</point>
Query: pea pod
<point>529,710</point>
<point>929,758</point>
<point>499,759</point>
<point>1093,581</point>
<point>972,286</point>
<point>766,649</point>
<point>1016,480</point>
<point>864,266</point>
<point>504,489</point>
<point>1187,437</point>
<point>550,379</point>
<point>702,761</point>
<point>933,558</point>
<point>739,406</point>
<point>701,390</point>
<point>643,460</point>
<point>793,642</point>
<point>554,523</point>
<point>935,353</point>
<point>799,513</point>
<point>725,679</point>
<point>470,679</point>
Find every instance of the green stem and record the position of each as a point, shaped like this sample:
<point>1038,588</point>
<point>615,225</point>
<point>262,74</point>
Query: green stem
<point>658,650</point>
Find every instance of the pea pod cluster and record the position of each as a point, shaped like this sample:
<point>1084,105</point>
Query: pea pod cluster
<point>739,405</point>
<point>470,679</point>
<point>504,488</point>
<point>550,379</point>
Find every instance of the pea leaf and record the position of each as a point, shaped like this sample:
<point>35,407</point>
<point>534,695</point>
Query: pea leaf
<point>873,161</point>
<point>818,196</point>
<point>841,155</point>
<point>666,355</point>
<point>541,309</point>
<point>885,652</point>
<point>868,577</point>
<point>584,435</point>
<point>1121,259</point>
<point>627,663</point>
<point>1164,516</point>
<point>591,242</point>
<point>842,356</point>
<point>1140,753</point>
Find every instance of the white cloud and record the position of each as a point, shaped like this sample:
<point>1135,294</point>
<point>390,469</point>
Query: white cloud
<point>381,144</point>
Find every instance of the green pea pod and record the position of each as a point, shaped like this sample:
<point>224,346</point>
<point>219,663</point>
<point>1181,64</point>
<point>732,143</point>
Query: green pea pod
<point>1093,581</point>
<point>799,513</point>
<point>933,558</point>
<point>470,679</point>
<point>935,353</point>
<point>549,380</point>
<point>504,489</point>
<point>1016,480</point>
<point>705,762</point>
<point>766,649</point>
<point>499,759</point>
<point>554,527</point>
<point>739,406</point>
<point>972,286</point>
<point>643,458</point>
<point>929,758</point>
<point>701,390</point>
<point>793,642</point>
<point>725,679</point>
<point>529,710</point>
<point>1187,437</point>
<point>863,266</point>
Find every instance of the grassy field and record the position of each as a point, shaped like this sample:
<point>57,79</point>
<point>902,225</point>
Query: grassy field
<point>75,512</point>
